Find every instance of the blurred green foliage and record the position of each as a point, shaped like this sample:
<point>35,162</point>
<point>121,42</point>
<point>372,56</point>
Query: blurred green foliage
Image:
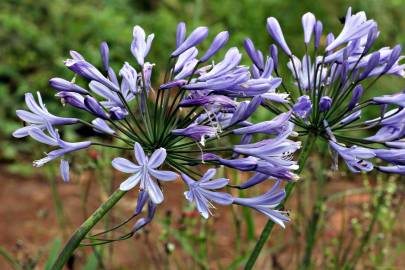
<point>36,36</point>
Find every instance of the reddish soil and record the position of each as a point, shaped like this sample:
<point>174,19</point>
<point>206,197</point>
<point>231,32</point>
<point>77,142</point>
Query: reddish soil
<point>28,224</point>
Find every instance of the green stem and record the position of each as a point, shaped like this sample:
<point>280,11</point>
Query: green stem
<point>82,231</point>
<point>366,237</point>
<point>306,150</point>
<point>58,204</point>
<point>316,214</point>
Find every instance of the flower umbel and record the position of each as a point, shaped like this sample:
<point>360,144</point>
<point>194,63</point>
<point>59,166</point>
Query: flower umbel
<point>328,99</point>
<point>184,125</point>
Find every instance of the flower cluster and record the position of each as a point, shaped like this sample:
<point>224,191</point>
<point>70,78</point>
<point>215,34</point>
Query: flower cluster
<point>330,82</point>
<point>179,129</point>
<point>199,117</point>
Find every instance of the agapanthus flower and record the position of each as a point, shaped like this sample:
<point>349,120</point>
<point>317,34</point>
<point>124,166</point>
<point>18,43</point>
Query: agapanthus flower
<point>185,125</point>
<point>38,116</point>
<point>328,97</point>
<point>63,85</point>
<point>53,139</point>
<point>196,132</point>
<point>141,44</point>
<point>202,194</point>
<point>267,203</point>
<point>144,172</point>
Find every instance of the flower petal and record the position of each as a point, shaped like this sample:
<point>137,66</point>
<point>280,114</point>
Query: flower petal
<point>64,170</point>
<point>163,175</point>
<point>208,175</point>
<point>157,158</point>
<point>131,182</point>
<point>154,191</point>
<point>214,184</point>
<point>124,165</point>
<point>40,136</point>
<point>202,205</point>
<point>218,197</point>
<point>140,154</point>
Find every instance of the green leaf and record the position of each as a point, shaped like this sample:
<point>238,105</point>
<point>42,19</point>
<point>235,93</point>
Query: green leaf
<point>10,258</point>
<point>53,253</point>
<point>91,263</point>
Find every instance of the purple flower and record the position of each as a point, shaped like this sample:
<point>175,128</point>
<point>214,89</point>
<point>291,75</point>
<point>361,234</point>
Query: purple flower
<point>242,164</point>
<point>392,169</point>
<point>269,127</point>
<point>252,87</point>
<point>324,103</point>
<point>394,57</point>
<point>94,107</point>
<point>351,118</point>
<point>274,29</point>
<point>144,172</point>
<point>221,85</point>
<point>211,101</point>
<point>219,41</point>
<point>372,63</point>
<point>129,79</point>
<point>304,71</point>
<point>277,172</point>
<point>391,117</point>
<point>75,55</point>
<point>180,34</point>
<point>101,126</point>
<point>388,133</point>
<point>396,99</point>
<point>195,38</point>
<point>202,194</point>
<point>112,99</point>
<point>64,170</point>
<point>308,24</point>
<point>251,163</point>
<point>303,107</point>
<point>196,132</point>
<point>396,144</point>
<point>355,157</point>
<point>356,26</point>
<point>357,93</point>
<point>187,70</point>
<point>53,139</point>
<point>267,70</point>
<point>105,52</point>
<point>277,151</point>
<point>185,58</point>
<point>143,198</point>
<point>142,222</point>
<point>113,77</point>
<point>38,116</point>
<point>141,44</point>
<point>275,97</point>
<point>173,84</point>
<point>257,178</point>
<point>318,34</point>
<point>267,203</point>
<point>88,71</point>
<point>117,113</point>
<point>73,99</point>
<point>253,54</point>
<point>394,156</point>
<point>147,74</point>
<point>231,60</point>
<point>63,85</point>
<point>244,110</point>
<point>274,55</point>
